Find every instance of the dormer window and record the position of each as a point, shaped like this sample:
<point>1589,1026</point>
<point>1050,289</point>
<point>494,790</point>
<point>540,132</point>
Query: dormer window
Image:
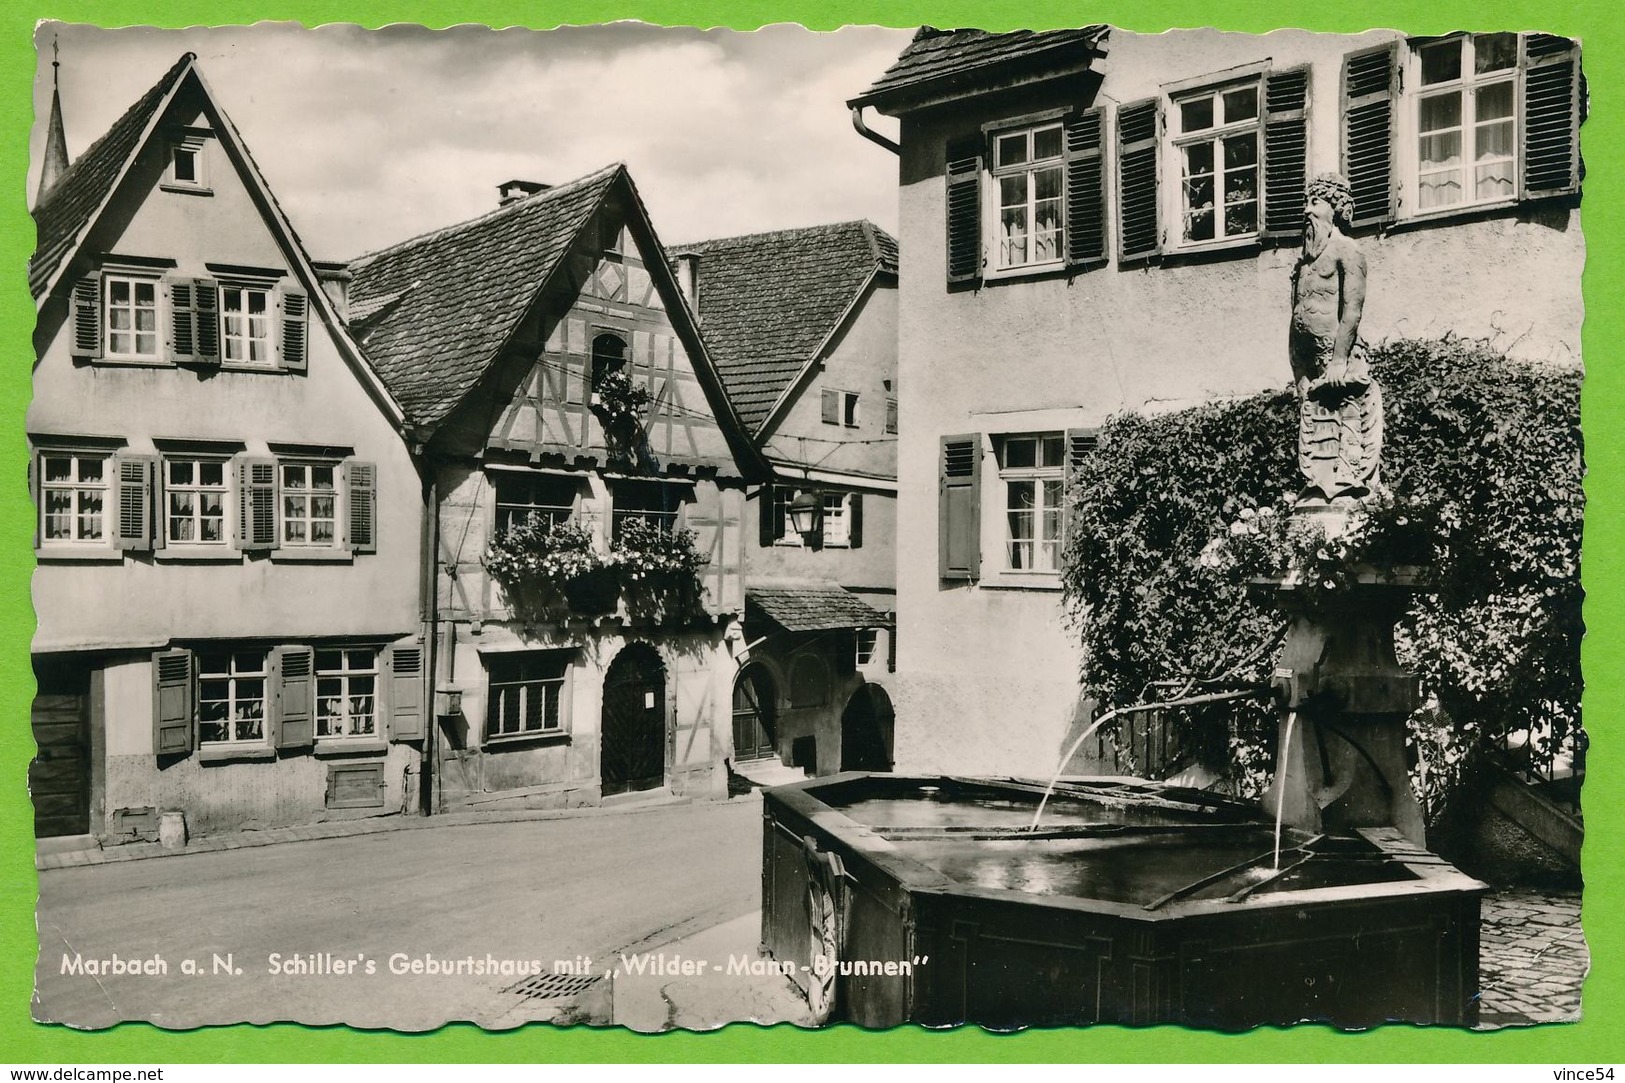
<point>187,163</point>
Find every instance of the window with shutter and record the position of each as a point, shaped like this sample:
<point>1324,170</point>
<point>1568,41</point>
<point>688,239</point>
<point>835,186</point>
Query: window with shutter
<point>1139,232</point>
<point>1031,469</point>
<point>130,323</point>
<point>172,703</point>
<point>233,691</point>
<point>959,507</point>
<point>193,500</point>
<point>964,210</point>
<point>1370,84</point>
<point>1488,119</point>
<point>73,491</point>
<point>1216,137</point>
<point>1286,151</point>
<point>247,325</point>
<point>361,500</point>
<point>1029,195</point>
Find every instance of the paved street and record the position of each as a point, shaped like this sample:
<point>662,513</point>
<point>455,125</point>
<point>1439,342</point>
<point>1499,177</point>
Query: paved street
<point>542,890</point>
<point>682,878</point>
<point>1533,958</point>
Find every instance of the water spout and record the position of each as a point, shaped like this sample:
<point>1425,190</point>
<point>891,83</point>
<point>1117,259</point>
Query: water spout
<point>1138,708</point>
<point>1280,782</point>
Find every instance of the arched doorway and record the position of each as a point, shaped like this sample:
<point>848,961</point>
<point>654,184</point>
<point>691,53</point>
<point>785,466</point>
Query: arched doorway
<point>756,701</point>
<point>632,745</point>
<point>866,730</point>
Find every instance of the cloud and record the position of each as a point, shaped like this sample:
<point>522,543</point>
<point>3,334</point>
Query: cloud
<point>370,136</point>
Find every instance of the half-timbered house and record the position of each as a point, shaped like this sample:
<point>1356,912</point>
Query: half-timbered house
<point>803,326</point>
<point>227,527</point>
<point>570,421</point>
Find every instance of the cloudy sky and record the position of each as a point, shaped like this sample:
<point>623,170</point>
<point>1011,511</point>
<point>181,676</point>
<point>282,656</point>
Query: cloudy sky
<point>371,136</point>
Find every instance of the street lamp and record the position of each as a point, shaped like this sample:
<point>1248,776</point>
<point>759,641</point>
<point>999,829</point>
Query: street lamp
<point>806,509</point>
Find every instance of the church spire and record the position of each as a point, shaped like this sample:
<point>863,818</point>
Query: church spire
<point>56,142</point>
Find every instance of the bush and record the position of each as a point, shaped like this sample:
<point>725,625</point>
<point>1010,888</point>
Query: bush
<point>1485,450</point>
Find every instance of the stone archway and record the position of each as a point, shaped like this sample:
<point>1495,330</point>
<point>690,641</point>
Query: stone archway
<point>867,725</point>
<point>632,740</point>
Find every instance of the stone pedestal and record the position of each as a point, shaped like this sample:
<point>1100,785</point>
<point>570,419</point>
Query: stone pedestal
<point>1343,700</point>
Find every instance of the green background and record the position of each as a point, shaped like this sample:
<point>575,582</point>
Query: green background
<point>1596,1039</point>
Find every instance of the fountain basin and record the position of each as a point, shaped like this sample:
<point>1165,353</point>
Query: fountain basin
<point>1134,903</point>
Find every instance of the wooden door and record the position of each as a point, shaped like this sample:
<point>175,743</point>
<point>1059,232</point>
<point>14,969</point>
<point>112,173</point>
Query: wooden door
<point>755,705</point>
<point>632,745</point>
<point>59,776</point>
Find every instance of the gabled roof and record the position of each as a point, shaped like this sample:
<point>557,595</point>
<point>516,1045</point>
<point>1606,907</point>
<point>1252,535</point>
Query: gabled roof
<point>65,212</point>
<point>73,207</point>
<point>454,296</point>
<point>937,61</point>
<point>769,301</point>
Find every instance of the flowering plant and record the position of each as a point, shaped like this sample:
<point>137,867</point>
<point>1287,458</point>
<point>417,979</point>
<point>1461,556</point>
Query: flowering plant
<point>658,568</point>
<point>1383,532</point>
<point>549,568</point>
<point>619,401</point>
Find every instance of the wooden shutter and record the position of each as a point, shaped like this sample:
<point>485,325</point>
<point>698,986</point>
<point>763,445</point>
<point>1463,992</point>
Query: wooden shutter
<point>361,496</point>
<point>959,500</point>
<point>1551,115</point>
<point>182,321</point>
<point>406,714</point>
<point>206,306</point>
<point>1286,150</point>
<point>964,202</point>
<point>1138,154</point>
<point>295,697</point>
<point>194,321</point>
<point>891,416</point>
<point>1079,443</point>
<point>172,708</point>
<point>256,504</point>
<point>854,521</point>
<point>830,403</point>
<point>87,316</point>
<point>133,475</point>
<point>767,531</point>
<point>1370,89</point>
<point>1085,190</point>
<point>295,307</point>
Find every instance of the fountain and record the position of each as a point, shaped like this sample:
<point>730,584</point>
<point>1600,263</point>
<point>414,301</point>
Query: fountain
<point>1003,902</point>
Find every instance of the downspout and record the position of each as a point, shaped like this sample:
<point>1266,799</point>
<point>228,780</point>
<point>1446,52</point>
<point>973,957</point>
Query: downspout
<point>430,584</point>
<point>872,136</point>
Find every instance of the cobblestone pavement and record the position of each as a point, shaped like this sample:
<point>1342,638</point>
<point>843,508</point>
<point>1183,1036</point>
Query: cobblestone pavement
<point>1532,958</point>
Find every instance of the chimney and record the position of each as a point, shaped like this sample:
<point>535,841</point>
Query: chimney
<point>511,191</point>
<point>688,278</point>
<point>335,279</point>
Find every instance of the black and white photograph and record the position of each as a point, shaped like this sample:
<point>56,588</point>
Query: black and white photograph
<point>656,528</point>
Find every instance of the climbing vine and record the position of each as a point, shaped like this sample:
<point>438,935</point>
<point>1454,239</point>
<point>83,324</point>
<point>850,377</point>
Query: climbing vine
<point>1171,515</point>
